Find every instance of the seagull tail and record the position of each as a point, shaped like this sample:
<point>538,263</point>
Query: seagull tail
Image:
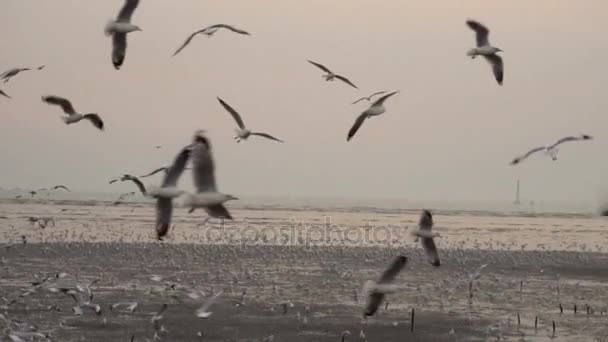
<point>108,30</point>
<point>65,119</point>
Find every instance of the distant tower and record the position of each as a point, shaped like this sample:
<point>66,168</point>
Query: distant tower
<point>517,194</point>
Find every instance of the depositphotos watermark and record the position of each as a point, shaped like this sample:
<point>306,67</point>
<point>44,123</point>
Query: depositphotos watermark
<point>298,233</point>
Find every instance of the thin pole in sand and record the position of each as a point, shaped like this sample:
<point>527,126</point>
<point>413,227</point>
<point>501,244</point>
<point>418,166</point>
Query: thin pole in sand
<point>535,324</point>
<point>575,309</point>
<point>561,309</point>
<point>518,320</point>
<point>412,322</point>
<point>553,329</point>
<point>521,286</point>
<point>588,309</point>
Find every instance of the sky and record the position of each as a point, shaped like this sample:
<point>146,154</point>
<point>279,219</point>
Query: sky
<point>448,135</point>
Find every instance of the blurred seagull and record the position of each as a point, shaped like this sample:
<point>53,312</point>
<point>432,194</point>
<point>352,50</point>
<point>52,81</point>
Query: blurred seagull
<point>375,109</point>
<point>369,98</point>
<point>4,94</point>
<point>6,76</point>
<point>57,187</point>
<point>164,168</point>
<point>330,76</point>
<point>424,232</point>
<point>375,290</point>
<point>137,182</point>
<point>203,311</point>
<point>485,49</point>
<point>73,117</point>
<point>550,150</point>
<point>118,29</point>
<point>243,133</point>
<point>203,173</point>
<point>209,31</point>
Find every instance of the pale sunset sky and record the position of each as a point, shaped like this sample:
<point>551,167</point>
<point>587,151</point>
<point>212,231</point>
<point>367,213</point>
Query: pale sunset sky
<point>448,135</point>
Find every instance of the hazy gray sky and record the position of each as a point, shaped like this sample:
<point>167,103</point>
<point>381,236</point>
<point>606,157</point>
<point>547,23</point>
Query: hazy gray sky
<point>448,135</point>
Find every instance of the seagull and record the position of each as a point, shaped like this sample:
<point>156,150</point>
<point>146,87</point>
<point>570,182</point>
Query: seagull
<point>137,182</point>
<point>56,187</point>
<point>4,94</point>
<point>376,290</point>
<point>129,306</point>
<point>157,317</point>
<point>82,302</point>
<point>6,76</point>
<point>165,194</point>
<point>330,76</point>
<point>424,232</point>
<point>68,109</point>
<point>551,150</point>
<point>203,311</point>
<point>485,49</point>
<point>118,29</point>
<point>203,173</point>
<point>209,31</point>
<point>243,133</point>
<point>475,276</point>
<point>369,98</point>
<point>375,109</point>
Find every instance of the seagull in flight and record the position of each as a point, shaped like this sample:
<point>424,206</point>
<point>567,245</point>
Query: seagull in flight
<point>7,75</point>
<point>203,311</point>
<point>376,290</point>
<point>485,49</point>
<point>330,76</point>
<point>203,174</point>
<point>137,182</point>
<point>209,31</point>
<point>375,109</point>
<point>243,133</point>
<point>424,232</point>
<point>551,150</point>
<point>72,116</point>
<point>57,187</point>
<point>369,98</point>
<point>4,94</point>
<point>118,29</point>
<point>160,169</point>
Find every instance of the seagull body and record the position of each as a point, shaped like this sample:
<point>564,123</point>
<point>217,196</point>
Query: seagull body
<point>486,50</point>
<point>375,109</point>
<point>203,174</point>
<point>209,31</point>
<point>203,311</point>
<point>72,115</point>
<point>551,150</point>
<point>369,98</point>
<point>331,76</point>
<point>242,133</point>
<point>375,291</point>
<point>118,29</point>
<point>164,201</point>
<point>425,225</point>
<point>206,199</point>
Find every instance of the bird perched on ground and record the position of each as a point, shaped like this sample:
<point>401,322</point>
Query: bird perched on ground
<point>73,116</point>
<point>118,29</point>
<point>375,109</point>
<point>485,49</point>
<point>331,76</point>
<point>209,31</point>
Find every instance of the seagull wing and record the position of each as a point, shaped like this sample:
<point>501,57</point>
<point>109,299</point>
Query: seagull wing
<point>234,113</point>
<point>61,187</point>
<point>346,80</point>
<point>177,168</point>
<point>497,67</point>
<point>127,10</point>
<point>155,172</point>
<point>137,182</point>
<point>218,211</point>
<point>529,153</point>
<point>381,100</point>
<point>60,101</point>
<point>359,100</point>
<point>374,300</point>
<point>203,168</point>
<point>4,94</point>
<point>566,139</point>
<point>320,66</point>
<point>164,211</point>
<point>95,120</point>
<point>188,40</point>
<point>397,264</point>
<point>119,49</point>
<point>481,32</point>
<point>431,251</point>
<point>356,126</point>
<point>267,136</point>
<point>377,93</point>
<point>231,28</point>
<point>208,303</point>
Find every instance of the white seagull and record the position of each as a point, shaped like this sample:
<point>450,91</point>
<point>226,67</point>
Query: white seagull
<point>375,290</point>
<point>550,150</point>
<point>369,98</point>
<point>330,76</point>
<point>424,233</point>
<point>375,109</point>
<point>203,173</point>
<point>209,31</point>
<point>242,133</point>
<point>486,50</point>
<point>203,311</point>
<point>118,29</point>
<point>72,116</point>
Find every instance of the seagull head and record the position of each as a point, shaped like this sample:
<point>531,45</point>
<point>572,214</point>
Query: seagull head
<point>200,138</point>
